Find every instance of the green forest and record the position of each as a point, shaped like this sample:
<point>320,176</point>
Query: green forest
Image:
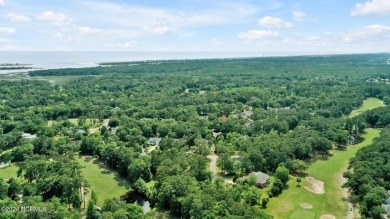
<point>187,137</point>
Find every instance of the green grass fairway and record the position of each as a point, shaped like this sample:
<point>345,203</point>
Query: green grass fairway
<point>107,184</point>
<point>299,214</point>
<point>329,171</point>
<point>8,172</point>
<point>368,104</point>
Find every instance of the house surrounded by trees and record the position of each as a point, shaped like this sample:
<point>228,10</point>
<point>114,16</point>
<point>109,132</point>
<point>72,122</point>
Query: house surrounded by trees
<point>262,179</point>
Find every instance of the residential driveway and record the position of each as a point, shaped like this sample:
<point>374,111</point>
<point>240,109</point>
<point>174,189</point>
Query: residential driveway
<point>94,130</point>
<point>213,169</point>
<point>213,163</point>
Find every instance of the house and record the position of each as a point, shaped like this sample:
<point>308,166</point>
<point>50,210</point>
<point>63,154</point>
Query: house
<point>262,179</point>
<point>387,209</point>
<point>204,117</point>
<point>245,115</point>
<point>216,134</point>
<point>387,205</point>
<point>222,118</point>
<point>114,130</point>
<point>388,197</point>
<point>153,141</point>
<point>75,143</point>
<point>28,136</point>
<point>73,133</point>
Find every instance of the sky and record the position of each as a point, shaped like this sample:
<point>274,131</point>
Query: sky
<point>308,26</point>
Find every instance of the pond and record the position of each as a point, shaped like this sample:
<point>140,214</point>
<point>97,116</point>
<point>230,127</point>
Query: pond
<point>135,198</point>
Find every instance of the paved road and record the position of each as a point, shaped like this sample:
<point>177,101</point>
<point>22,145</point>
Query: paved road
<point>350,206</point>
<point>348,200</point>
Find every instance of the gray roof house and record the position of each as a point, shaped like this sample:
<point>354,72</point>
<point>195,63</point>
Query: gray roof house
<point>28,136</point>
<point>262,179</point>
<point>245,115</point>
<point>153,141</point>
<point>387,209</point>
<point>387,205</point>
<point>114,130</point>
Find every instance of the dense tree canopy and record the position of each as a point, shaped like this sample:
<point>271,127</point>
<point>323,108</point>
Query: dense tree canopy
<point>274,115</point>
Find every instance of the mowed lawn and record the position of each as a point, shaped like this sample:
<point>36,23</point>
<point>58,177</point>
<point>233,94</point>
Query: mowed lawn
<point>8,172</point>
<point>368,104</point>
<point>75,122</point>
<point>107,184</point>
<point>330,172</point>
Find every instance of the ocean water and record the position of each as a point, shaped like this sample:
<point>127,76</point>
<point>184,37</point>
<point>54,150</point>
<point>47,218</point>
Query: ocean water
<point>55,60</point>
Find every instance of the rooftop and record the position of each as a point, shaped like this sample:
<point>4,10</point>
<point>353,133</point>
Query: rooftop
<point>387,209</point>
<point>261,177</point>
<point>153,141</point>
<point>28,136</point>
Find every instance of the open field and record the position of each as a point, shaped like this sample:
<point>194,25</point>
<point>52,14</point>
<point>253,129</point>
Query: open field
<point>329,171</point>
<point>88,122</point>
<point>59,80</point>
<point>8,172</point>
<point>368,104</point>
<point>106,183</point>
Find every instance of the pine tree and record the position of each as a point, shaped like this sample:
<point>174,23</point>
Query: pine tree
<point>91,210</point>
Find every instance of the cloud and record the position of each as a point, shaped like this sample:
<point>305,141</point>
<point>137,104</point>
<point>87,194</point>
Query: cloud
<point>376,7</point>
<point>217,42</point>
<point>158,29</point>
<point>10,47</point>
<point>123,45</point>
<point>257,35</point>
<point>146,18</point>
<point>62,37</point>
<point>299,16</point>
<point>18,18</point>
<point>274,22</point>
<point>56,19</point>
<point>2,2</point>
<point>91,31</point>
<point>306,42</point>
<point>371,31</point>
<point>7,30</point>
<point>4,40</point>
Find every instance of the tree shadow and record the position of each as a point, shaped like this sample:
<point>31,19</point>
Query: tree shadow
<point>324,158</point>
<point>300,174</point>
<point>341,148</point>
<point>122,182</point>
<point>105,172</point>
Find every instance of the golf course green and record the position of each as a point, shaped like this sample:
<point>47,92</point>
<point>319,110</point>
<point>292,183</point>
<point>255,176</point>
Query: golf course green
<point>330,171</point>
